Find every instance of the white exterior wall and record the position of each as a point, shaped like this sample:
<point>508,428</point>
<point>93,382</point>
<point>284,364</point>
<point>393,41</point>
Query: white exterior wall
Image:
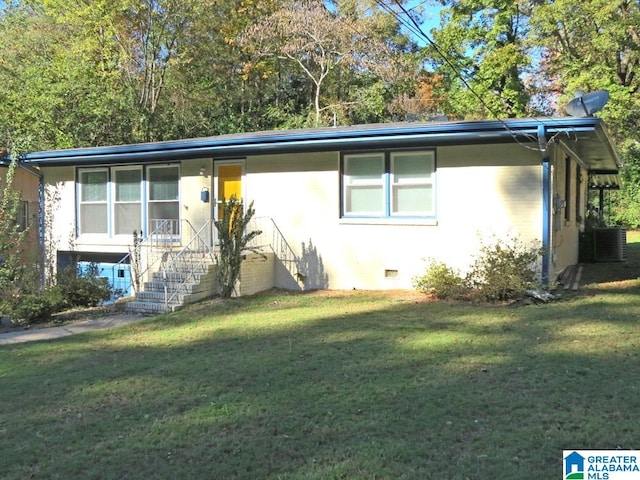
<point>480,191</point>
<point>192,209</point>
<point>567,222</point>
<point>61,205</point>
<point>501,193</point>
<point>60,208</point>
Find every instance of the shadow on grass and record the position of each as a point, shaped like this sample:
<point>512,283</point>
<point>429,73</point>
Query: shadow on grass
<point>374,389</point>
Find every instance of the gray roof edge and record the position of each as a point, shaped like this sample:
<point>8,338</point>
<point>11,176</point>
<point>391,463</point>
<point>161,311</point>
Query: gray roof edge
<point>603,132</point>
<point>320,139</point>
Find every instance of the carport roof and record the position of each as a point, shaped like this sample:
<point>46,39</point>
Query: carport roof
<point>584,138</point>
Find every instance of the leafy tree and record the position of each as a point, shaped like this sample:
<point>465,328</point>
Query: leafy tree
<point>18,270</point>
<point>234,241</point>
<point>591,45</point>
<point>626,206</point>
<point>332,46</point>
<point>480,50</point>
<point>57,82</point>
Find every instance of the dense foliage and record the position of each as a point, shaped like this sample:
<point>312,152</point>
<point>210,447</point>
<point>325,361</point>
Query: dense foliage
<point>110,72</point>
<point>104,72</point>
<point>505,268</point>
<point>19,274</point>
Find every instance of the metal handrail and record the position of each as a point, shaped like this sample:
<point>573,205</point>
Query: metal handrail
<point>160,226</point>
<point>202,245</point>
<point>277,243</point>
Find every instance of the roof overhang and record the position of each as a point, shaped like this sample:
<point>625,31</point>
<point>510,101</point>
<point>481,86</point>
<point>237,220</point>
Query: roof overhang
<point>6,163</point>
<point>595,152</point>
<point>585,138</point>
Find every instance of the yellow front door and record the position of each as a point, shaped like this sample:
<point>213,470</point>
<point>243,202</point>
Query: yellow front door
<point>229,183</point>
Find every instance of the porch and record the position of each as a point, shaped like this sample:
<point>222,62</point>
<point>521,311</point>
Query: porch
<point>176,264</point>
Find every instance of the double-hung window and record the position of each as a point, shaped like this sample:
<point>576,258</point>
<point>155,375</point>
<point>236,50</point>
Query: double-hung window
<point>93,211</point>
<point>389,184</point>
<point>127,200</point>
<point>363,180</point>
<point>164,205</point>
<point>120,200</point>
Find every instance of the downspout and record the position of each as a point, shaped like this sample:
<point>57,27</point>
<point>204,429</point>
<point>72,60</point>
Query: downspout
<point>42,228</point>
<point>546,204</point>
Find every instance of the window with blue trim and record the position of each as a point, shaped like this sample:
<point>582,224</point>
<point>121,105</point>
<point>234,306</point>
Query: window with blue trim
<point>389,184</point>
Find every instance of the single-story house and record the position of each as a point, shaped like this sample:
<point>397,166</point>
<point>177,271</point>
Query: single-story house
<point>356,207</point>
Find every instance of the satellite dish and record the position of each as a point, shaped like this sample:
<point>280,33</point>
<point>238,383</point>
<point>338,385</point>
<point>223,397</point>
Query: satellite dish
<point>586,104</point>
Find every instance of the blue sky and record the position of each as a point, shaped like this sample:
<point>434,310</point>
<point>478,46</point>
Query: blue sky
<point>430,16</point>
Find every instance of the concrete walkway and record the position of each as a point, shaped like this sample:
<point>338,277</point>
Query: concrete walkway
<point>49,333</point>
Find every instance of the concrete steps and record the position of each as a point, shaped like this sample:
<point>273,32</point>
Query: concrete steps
<point>190,279</point>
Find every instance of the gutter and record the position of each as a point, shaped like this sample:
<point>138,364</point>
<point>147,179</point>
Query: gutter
<point>314,140</point>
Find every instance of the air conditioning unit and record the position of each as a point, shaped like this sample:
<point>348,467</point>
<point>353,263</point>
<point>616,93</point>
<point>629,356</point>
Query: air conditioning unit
<point>610,244</point>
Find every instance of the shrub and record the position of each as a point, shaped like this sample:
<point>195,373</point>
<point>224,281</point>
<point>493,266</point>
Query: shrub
<point>234,240</point>
<point>505,268</point>
<point>73,289</point>
<point>35,307</point>
<point>83,289</point>
<point>440,280</point>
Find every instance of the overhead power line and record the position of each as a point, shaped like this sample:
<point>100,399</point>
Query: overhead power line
<point>413,26</point>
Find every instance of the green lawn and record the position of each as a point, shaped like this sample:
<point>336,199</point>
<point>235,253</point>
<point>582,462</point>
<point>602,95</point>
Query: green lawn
<point>334,385</point>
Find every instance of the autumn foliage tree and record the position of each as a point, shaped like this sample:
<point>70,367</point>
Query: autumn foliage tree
<point>320,41</point>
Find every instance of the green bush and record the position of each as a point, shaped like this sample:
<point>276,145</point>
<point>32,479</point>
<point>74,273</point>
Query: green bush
<point>505,268</point>
<point>234,240</point>
<point>36,307</point>
<point>83,289</point>
<point>74,288</point>
<point>440,280</point>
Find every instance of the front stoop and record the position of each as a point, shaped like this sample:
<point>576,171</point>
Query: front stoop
<point>199,286</point>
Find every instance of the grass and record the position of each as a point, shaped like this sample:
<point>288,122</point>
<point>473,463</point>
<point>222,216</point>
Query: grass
<point>353,385</point>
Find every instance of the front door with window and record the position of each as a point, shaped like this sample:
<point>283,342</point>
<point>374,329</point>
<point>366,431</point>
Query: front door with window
<point>228,182</point>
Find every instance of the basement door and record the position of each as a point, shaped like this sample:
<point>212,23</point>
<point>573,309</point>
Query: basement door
<point>227,182</point>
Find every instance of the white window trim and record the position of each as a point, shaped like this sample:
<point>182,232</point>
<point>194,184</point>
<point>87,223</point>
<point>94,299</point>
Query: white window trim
<point>418,182</point>
<point>350,186</point>
<point>112,205</point>
<point>149,202</point>
<point>110,236</point>
<point>80,202</point>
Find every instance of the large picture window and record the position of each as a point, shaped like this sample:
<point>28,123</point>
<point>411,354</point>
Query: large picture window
<point>392,184</point>
<point>112,201</point>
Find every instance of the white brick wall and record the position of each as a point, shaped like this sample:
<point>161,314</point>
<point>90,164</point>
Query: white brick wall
<point>256,274</point>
